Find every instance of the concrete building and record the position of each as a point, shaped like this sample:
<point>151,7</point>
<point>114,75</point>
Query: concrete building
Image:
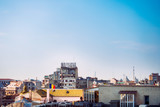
<point>5,81</point>
<point>60,95</point>
<point>32,84</point>
<point>56,74</point>
<point>81,83</point>
<point>113,81</point>
<point>90,82</point>
<point>69,74</point>
<point>45,82</point>
<point>130,95</point>
<point>14,88</point>
<point>6,100</point>
<point>69,83</point>
<point>154,78</point>
<point>2,94</point>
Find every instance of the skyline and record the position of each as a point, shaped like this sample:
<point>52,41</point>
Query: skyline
<point>106,37</point>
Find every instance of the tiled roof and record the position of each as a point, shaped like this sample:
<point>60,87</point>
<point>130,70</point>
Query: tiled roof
<point>5,79</point>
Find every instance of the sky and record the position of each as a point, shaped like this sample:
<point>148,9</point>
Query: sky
<point>105,38</point>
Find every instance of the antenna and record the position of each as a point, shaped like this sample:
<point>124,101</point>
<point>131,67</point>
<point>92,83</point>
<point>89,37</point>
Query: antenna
<point>95,74</point>
<point>133,73</point>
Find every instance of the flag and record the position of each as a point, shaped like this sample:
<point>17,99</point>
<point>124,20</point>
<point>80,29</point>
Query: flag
<point>51,86</point>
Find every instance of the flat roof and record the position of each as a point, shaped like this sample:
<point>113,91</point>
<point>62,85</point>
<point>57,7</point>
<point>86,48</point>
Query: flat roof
<point>130,86</point>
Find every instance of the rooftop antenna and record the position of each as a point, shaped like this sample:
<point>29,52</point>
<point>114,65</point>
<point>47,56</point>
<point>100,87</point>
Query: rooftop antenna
<point>133,73</point>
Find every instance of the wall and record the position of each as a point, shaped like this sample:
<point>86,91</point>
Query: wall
<point>108,93</point>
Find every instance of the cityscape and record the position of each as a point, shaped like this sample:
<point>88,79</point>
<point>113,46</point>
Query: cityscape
<point>79,53</point>
<point>65,88</point>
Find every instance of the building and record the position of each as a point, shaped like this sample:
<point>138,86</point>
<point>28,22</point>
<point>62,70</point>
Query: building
<point>14,88</point>
<point>126,95</point>
<point>56,78</point>
<point>32,84</point>
<point>56,74</point>
<point>81,83</point>
<point>52,79</point>
<point>5,81</point>
<point>61,95</point>
<point>114,81</point>
<point>69,74</point>
<point>38,96</point>
<point>90,82</point>
<point>2,94</point>
<point>45,82</point>
<point>8,100</point>
<point>154,78</point>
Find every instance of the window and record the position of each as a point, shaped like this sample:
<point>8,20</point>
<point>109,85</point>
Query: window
<point>70,80</point>
<point>146,99</point>
<point>126,100</point>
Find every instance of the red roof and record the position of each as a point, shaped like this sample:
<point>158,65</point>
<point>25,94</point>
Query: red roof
<point>6,79</point>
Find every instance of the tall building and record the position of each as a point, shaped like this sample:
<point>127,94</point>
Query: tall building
<point>56,74</point>
<point>68,76</point>
<point>56,78</point>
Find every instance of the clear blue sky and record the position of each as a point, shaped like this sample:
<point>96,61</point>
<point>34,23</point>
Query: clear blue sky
<point>103,36</point>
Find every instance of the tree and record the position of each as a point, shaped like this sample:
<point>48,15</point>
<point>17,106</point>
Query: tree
<point>24,89</point>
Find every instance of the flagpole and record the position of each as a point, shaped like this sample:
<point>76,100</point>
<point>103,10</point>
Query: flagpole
<point>48,91</point>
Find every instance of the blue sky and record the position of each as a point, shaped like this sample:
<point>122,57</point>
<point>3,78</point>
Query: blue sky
<point>108,37</point>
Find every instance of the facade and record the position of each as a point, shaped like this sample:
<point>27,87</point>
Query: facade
<point>45,82</point>
<point>32,84</point>
<point>130,95</point>
<point>69,83</point>
<point>69,74</point>
<point>15,87</point>
<point>52,79</point>
<point>5,82</point>
<point>56,74</point>
<point>90,82</point>
<point>61,95</point>
<point>81,83</point>
<point>8,100</point>
<point>2,94</point>
<point>154,78</point>
<point>113,81</point>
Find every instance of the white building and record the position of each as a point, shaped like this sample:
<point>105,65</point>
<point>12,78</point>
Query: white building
<point>69,83</point>
<point>15,87</point>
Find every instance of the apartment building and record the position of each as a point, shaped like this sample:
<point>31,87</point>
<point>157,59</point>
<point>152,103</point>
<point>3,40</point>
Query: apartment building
<point>154,78</point>
<point>5,81</point>
<point>15,87</point>
<point>32,84</point>
<point>69,74</point>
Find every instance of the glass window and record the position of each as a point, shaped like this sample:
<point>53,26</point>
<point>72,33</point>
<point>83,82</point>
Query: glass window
<point>127,100</point>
